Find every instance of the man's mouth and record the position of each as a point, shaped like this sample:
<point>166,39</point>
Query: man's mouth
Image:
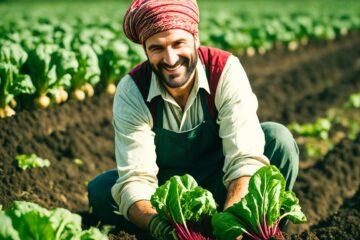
<point>172,69</point>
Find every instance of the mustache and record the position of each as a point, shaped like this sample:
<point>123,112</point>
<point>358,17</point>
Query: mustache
<point>179,62</point>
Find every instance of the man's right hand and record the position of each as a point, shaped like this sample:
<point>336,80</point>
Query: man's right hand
<point>160,229</point>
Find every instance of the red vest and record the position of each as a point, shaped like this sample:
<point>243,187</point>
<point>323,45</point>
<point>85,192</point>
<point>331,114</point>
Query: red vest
<point>214,61</point>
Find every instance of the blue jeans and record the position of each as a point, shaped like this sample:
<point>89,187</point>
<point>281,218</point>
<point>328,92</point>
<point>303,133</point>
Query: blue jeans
<point>280,148</point>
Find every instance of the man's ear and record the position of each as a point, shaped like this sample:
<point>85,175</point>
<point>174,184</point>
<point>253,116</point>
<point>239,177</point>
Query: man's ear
<point>197,40</point>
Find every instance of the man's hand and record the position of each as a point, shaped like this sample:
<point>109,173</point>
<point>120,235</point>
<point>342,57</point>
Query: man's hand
<point>160,229</point>
<point>237,189</point>
<point>140,213</point>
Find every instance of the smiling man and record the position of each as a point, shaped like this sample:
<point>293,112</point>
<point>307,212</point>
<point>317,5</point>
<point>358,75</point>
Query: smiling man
<point>187,109</point>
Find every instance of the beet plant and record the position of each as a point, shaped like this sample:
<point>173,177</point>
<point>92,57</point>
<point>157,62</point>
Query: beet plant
<point>258,214</point>
<point>186,206</point>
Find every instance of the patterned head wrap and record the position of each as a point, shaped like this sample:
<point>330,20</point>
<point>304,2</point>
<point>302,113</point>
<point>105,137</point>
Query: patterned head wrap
<point>145,18</point>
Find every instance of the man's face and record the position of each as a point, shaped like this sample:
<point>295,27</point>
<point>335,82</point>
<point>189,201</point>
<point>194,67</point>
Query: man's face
<point>173,56</point>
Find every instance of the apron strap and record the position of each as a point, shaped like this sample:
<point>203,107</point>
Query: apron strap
<point>158,122</point>
<point>205,107</point>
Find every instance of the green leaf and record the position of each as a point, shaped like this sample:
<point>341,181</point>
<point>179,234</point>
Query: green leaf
<point>226,226</point>
<point>93,234</point>
<point>12,83</point>
<point>12,53</point>
<point>31,161</point>
<point>26,220</point>
<point>30,221</point>
<point>7,231</point>
<point>88,70</point>
<point>40,68</point>
<point>180,200</point>
<point>291,207</point>
<point>260,209</point>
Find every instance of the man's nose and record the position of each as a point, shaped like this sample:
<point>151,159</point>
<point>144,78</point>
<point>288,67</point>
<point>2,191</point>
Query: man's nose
<point>171,57</point>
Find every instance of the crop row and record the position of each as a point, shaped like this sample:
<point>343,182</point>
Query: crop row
<point>42,59</point>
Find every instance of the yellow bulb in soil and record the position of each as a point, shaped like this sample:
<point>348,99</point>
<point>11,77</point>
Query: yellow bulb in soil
<point>7,111</point>
<point>79,95</point>
<point>42,102</point>
<point>110,89</point>
<point>13,103</point>
<point>88,90</point>
<point>57,96</point>
<point>63,95</point>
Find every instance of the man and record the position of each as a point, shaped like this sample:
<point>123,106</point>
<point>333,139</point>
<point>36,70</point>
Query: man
<point>187,109</point>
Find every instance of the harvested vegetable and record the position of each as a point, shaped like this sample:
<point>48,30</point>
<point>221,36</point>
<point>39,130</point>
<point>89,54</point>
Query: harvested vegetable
<point>258,214</point>
<point>186,206</point>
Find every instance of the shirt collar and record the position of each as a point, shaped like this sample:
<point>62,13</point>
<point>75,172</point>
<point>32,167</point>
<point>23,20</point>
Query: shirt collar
<point>157,89</point>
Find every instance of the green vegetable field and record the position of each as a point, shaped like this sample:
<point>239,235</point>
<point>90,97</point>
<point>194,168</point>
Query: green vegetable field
<point>60,63</point>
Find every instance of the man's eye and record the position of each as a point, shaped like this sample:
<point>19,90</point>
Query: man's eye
<point>180,44</point>
<point>155,49</point>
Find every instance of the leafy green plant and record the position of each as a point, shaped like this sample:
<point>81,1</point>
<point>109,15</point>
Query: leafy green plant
<point>320,128</point>
<point>12,82</point>
<point>47,66</point>
<point>353,101</point>
<point>26,220</point>
<point>31,161</point>
<point>87,74</point>
<point>259,213</point>
<point>114,64</point>
<point>186,206</point>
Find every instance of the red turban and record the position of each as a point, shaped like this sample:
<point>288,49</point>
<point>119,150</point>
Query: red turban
<point>145,18</point>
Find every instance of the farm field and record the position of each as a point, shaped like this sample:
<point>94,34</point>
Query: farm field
<point>314,81</point>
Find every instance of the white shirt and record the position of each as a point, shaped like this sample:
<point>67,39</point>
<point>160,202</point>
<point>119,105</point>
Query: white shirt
<point>239,128</point>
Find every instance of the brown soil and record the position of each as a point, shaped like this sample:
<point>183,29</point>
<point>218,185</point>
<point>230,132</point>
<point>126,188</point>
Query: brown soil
<point>297,86</point>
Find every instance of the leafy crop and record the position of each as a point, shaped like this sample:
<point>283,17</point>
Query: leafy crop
<point>12,81</point>
<point>186,206</point>
<point>26,220</point>
<point>353,101</point>
<point>320,128</point>
<point>51,56</point>
<point>31,161</point>
<point>259,213</point>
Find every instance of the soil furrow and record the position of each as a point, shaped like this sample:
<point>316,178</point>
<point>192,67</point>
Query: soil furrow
<point>323,187</point>
<point>344,224</point>
<point>281,60</point>
<point>309,79</point>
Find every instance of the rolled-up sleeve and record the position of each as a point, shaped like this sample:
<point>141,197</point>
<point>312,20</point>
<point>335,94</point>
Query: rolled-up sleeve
<point>240,129</point>
<point>134,147</point>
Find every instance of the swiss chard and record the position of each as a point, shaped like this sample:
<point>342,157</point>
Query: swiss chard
<point>186,206</point>
<point>26,220</point>
<point>259,213</point>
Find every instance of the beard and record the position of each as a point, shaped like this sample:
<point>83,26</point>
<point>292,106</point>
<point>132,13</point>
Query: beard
<point>179,79</point>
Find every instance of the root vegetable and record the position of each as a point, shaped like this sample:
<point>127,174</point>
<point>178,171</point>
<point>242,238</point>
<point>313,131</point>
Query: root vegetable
<point>110,89</point>
<point>42,102</point>
<point>7,111</point>
<point>13,103</point>
<point>88,90</point>
<point>292,46</point>
<point>262,51</point>
<point>63,95</point>
<point>250,51</point>
<point>57,96</point>
<point>78,94</point>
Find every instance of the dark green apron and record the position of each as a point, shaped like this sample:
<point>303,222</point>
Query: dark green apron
<point>197,152</point>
